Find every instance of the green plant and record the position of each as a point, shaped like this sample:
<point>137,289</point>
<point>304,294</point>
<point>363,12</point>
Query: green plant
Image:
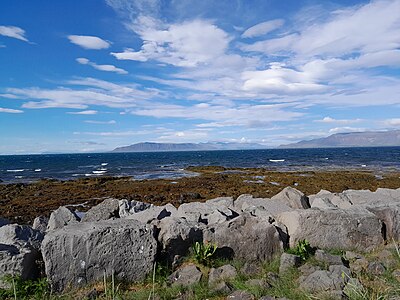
<point>204,252</point>
<point>302,249</point>
<point>24,289</point>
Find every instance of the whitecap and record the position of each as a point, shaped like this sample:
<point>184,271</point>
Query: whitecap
<point>363,166</point>
<point>99,172</point>
<point>16,170</point>
<point>104,164</point>
<point>38,170</point>
<point>19,177</point>
<point>276,160</point>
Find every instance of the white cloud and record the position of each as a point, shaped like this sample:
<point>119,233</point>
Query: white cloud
<point>263,28</point>
<point>338,121</point>
<point>107,68</point>
<point>392,122</point>
<point>187,44</point>
<point>101,122</point>
<point>10,110</point>
<point>13,32</point>
<point>89,42</point>
<point>345,129</point>
<point>83,112</point>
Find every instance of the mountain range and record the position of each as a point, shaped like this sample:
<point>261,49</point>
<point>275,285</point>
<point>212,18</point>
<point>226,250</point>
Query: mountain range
<point>351,139</point>
<point>161,147</point>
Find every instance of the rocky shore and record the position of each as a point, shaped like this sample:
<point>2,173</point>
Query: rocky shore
<point>21,203</point>
<point>125,239</point>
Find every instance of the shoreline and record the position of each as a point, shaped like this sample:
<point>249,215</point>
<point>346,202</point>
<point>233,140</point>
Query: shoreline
<point>21,203</point>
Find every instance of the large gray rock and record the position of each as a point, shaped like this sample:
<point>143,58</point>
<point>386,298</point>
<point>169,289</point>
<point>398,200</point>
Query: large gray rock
<point>390,216</point>
<point>260,207</point>
<point>206,213</point>
<point>186,276</point>
<point>61,217</point>
<point>177,235</point>
<point>127,207</point>
<point>19,252</point>
<point>82,253</point>
<point>325,199</point>
<point>292,198</point>
<point>222,201</point>
<point>327,258</point>
<point>246,238</point>
<point>333,228</point>
<point>154,213</point>
<point>107,209</point>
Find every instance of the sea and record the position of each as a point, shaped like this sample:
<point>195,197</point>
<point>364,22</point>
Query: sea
<point>172,165</point>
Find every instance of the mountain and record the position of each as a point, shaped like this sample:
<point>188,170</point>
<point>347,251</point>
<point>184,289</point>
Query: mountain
<point>352,139</point>
<point>161,147</point>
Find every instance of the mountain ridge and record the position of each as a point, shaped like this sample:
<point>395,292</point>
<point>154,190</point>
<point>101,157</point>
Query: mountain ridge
<point>168,147</point>
<point>350,139</point>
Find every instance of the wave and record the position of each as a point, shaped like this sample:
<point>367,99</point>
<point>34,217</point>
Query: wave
<point>104,164</point>
<point>16,170</point>
<point>98,172</point>
<point>38,170</point>
<point>276,160</point>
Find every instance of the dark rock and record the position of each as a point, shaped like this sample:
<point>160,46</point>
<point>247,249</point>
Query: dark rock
<point>222,273</point>
<point>186,276</point>
<point>326,258</point>
<point>4,222</point>
<point>308,269</point>
<point>376,268</point>
<point>288,261</point>
<point>240,295</point>
<point>322,281</point>
<point>222,288</point>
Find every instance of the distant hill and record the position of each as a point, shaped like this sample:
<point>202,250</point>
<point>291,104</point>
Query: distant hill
<point>352,139</point>
<point>161,147</point>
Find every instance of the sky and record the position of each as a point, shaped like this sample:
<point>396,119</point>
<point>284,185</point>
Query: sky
<point>89,76</point>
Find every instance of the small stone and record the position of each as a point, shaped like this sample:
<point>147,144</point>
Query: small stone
<point>308,269</point>
<point>186,276</point>
<point>288,261</point>
<point>272,278</point>
<point>351,255</point>
<point>340,271</point>
<point>222,288</point>
<point>322,256</point>
<point>240,295</point>
<point>359,265</point>
<point>40,223</point>
<point>221,273</point>
<point>258,283</point>
<point>396,274</point>
<point>322,281</point>
<point>376,268</point>
<point>250,269</point>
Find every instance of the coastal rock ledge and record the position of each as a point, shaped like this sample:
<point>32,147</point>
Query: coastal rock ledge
<point>125,238</point>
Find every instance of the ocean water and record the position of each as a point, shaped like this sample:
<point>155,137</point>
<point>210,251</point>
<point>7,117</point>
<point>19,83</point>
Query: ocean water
<point>153,165</point>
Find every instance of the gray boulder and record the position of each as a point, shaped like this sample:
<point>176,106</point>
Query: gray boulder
<point>322,281</point>
<point>206,213</point>
<point>107,209</point>
<point>40,223</point>
<point>222,202</point>
<point>82,253</point>
<point>185,276</point>
<point>154,213</point>
<point>326,258</point>
<point>288,261</point>
<point>325,199</point>
<point>292,198</point>
<point>19,252</point>
<point>177,235</point>
<point>333,228</point>
<point>260,207</point>
<point>127,207</point>
<point>222,273</point>
<point>390,216</point>
<point>248,238</point>
<point>61,217</point>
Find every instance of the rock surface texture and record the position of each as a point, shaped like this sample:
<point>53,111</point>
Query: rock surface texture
<point>83,253</point>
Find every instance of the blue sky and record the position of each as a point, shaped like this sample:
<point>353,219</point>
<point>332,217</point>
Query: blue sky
<point>87,76</point>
